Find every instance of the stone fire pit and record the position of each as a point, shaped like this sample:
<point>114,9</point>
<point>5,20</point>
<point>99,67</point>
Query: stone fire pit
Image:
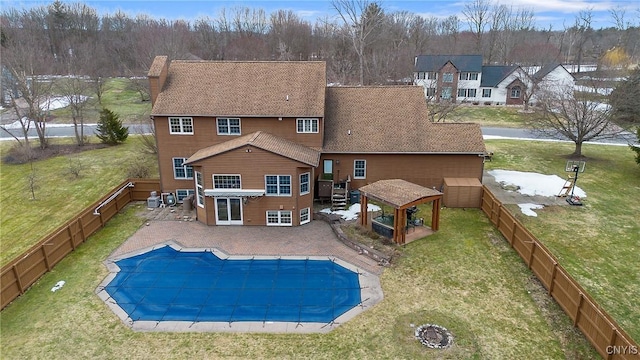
<point>434,336</point>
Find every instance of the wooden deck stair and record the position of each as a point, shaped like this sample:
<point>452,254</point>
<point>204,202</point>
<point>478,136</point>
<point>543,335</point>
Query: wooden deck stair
<point>338,201</point>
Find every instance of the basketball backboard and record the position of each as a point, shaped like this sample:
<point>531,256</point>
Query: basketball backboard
<point>572,164</point>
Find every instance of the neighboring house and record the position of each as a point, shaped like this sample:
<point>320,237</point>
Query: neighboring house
<point>463,78</point>
<point>554,77</point>
<point>252,140</point>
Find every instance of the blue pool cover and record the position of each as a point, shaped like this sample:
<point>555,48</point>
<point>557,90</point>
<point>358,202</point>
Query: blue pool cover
<point>168,285</point>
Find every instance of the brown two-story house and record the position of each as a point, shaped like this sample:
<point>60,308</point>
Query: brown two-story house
<point>251,139</point>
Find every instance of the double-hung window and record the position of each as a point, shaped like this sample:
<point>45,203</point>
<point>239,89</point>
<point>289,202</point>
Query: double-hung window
<point>304,216</point>
<point>432,75</point>
<point>181,171</point>
<point>199,189</point>
<point>279,218</point>
<point>278,185</point>
<point>486,93</point>
<point>226,182</point>
<point>307,125</point>
<point>181,125</point>
<point>304,184</point>
<point>359,169</point>
<point>228,126</point>
<point>515,92</point>
<point>468,76</point>
<point>447,77</point>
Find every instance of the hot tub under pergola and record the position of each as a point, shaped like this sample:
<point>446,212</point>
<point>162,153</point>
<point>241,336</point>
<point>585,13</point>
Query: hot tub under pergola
<point>401,195</point>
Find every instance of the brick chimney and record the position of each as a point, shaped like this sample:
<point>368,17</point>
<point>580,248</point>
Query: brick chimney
<point>157,76</point>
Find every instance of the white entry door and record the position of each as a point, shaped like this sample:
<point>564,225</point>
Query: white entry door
<point>228,211</point>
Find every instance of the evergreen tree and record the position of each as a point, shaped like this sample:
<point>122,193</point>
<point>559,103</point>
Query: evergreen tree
<point>110,129</point>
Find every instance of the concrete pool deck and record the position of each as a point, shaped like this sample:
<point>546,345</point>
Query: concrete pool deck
<point>315,240</point>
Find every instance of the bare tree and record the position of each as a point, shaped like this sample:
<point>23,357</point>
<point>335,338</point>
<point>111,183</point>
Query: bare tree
<point>477,15</point>
<point>564,116</point>
<point>73,90</point>
<point>362,19</point>
<point>583,30</point>
<point>22,58</point>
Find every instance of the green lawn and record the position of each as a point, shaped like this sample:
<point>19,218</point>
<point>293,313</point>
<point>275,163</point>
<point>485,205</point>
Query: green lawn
<point>119,97</point>
<point>597,243</point>
<point>59,195</point>
<point>487,115</point>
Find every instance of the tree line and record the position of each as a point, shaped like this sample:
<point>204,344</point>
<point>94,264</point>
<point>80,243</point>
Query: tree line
<point>363,44</point>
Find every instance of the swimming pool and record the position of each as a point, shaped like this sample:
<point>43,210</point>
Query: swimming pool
<point>169,284</point>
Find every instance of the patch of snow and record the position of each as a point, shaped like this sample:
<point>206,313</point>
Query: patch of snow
<point>533,184</point>
<point>528,208</point>
<point>352,212</point>
<point>17,125</point>
<point>59,102</point>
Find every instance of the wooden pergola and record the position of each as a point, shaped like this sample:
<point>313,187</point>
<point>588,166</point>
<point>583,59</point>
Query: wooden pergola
<point>401,195</point>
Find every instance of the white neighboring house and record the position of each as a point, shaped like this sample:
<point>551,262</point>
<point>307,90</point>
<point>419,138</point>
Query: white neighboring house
<point>554,78</point>
<point>463,78</point>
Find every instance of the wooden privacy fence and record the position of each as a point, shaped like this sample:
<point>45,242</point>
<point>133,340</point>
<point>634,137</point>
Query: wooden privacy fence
<point>599,328</point>
<point>18,275</point>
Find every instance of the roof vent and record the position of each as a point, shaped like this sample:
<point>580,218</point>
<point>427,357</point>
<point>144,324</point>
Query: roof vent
<point>287,97</point>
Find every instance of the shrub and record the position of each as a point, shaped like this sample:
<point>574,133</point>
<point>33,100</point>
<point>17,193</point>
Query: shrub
<point>139,168</point>
<point>110,129</point>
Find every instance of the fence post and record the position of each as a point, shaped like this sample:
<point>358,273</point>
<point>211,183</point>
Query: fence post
<point>513,233</point>
<point>575,321</point>
<point>533,248</point>
<point>46,257</point>
<point>612,342</point>
<point>18,281</point>
<point>84,237</point>
<point>552,282</point>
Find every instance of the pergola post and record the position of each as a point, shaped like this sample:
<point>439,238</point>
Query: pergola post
<point>364,214</point>
<point>435,215</point>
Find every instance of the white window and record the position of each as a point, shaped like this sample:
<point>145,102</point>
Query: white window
<point>431,92</point>
<point>467,93</point>
<point>278,185</point>
<point>304,216</point>
<point>181,125</point>
<point>359,169</point>
<point>432,75</point>
<point>226,182</point>
<point>181,171</point>
<point>228,126</point>
<point>199,189</point>
<point>421,76</point>
<point>486,93</point>
<point>468,76</point>
<point>183,193</point>
<point>515,92</point>
<point>304,184</point>
<point>307,125</point>
<point>447,77</point>
<point>279,218</point>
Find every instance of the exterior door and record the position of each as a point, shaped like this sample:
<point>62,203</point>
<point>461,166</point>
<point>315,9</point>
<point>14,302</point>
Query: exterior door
<point>228,211</point>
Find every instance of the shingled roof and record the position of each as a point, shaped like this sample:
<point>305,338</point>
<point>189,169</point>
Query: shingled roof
<point>430,63</point>
<point>492,75</point>
<point>397,192</point>
<point>264,141</point>
<point>391,119</point>
<point>240,88</point>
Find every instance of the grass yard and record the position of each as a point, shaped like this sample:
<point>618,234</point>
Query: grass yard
<point>486,115</point>
<point>59,194</point>
<point>120,97</point>
<point>465,278</point>
<point>598,243</point>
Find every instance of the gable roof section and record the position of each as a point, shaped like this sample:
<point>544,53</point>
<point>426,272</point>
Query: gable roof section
<point>391,119</point>
<point>545,70</point>
<point>240,88</point>
<point>466,63</point>
<point>398,192</point>
<point>264,141</point>
<point>492,75</point>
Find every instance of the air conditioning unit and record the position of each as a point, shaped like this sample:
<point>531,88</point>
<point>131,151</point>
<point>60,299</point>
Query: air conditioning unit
<point>153,201</point>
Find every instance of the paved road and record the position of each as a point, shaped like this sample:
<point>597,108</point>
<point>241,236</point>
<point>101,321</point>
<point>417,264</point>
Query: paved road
<point>67,131</point>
